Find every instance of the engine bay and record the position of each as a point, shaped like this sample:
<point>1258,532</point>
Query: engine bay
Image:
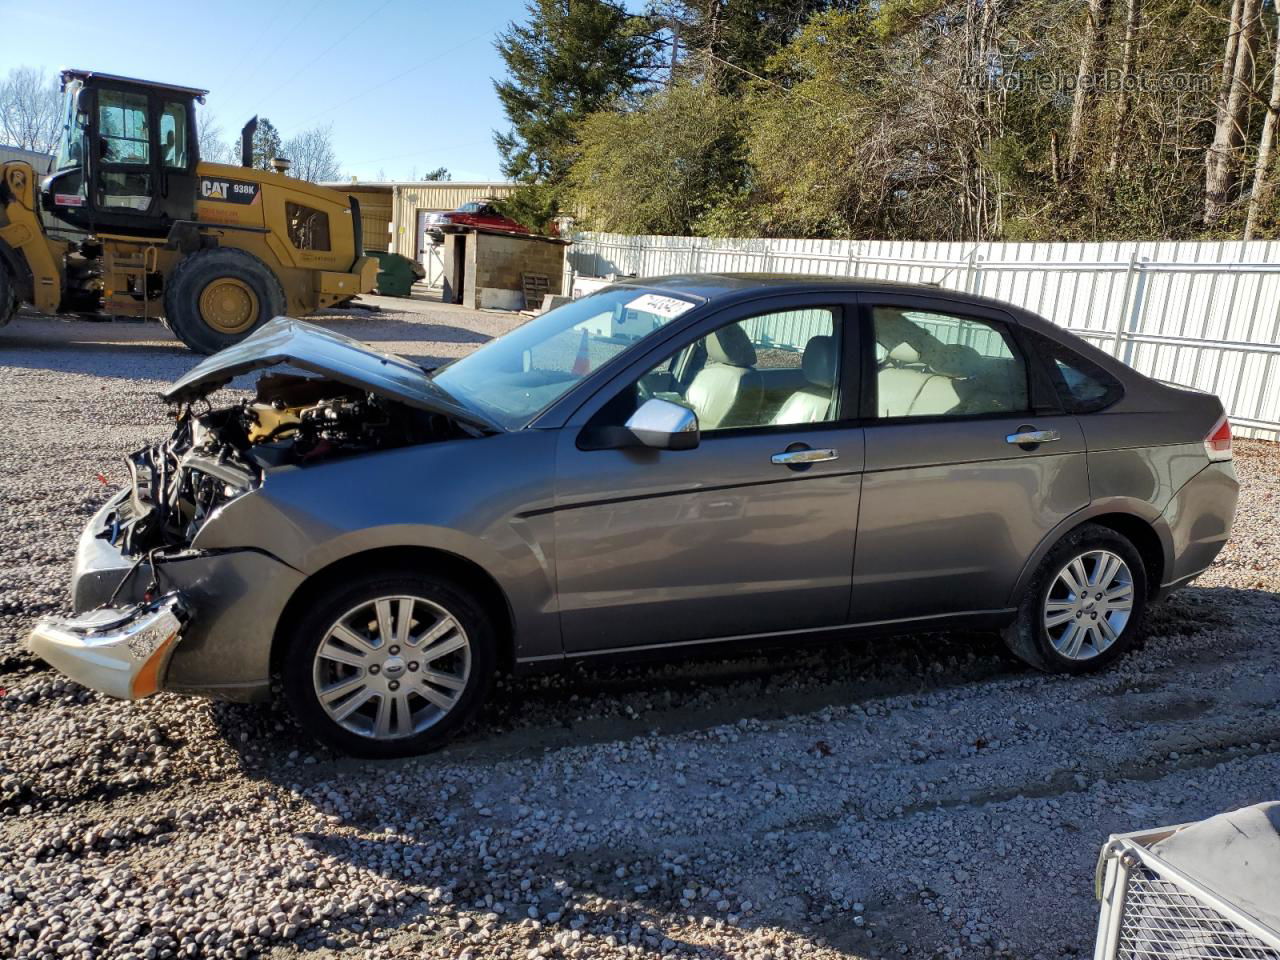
<point>217,455</point>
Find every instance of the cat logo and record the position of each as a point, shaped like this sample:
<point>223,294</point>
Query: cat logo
<point>228,191</point>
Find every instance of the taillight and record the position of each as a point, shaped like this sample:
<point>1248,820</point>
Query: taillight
<point>1217,445</point>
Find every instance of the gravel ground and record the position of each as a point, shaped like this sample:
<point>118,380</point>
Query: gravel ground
<point>924,796</point>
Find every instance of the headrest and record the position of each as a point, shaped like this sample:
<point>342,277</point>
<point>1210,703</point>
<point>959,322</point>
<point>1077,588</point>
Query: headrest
<point>818,362</point>
<point>954,360</point>
<point>731,345</point>
<point>904,353</point>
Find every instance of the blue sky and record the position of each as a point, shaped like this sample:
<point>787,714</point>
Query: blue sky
<point>407,84</point>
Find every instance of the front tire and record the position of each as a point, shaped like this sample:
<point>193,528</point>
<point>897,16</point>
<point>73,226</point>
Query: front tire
<point>390,665</point>
<point>215,298</point>
<point>1085,605</point>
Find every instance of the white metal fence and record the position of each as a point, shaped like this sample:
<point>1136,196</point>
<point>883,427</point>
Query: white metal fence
<point>1203,314</point>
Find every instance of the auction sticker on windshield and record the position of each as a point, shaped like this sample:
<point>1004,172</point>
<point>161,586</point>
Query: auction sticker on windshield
<point>667,307</point>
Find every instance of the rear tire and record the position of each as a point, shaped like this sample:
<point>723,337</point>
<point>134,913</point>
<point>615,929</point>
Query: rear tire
<point>215,298</point>
<point>1085,605</point>
<point>389,664</point>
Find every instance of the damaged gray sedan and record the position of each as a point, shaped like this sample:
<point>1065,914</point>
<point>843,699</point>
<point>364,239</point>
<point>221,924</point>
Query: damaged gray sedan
<point>666,464</point>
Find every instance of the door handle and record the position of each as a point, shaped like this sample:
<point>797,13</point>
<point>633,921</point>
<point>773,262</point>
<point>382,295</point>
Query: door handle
<point>791,458</point>
<point>1028,437</point>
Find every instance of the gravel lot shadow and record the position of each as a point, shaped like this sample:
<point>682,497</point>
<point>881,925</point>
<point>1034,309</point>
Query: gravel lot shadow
<point>545,790</point>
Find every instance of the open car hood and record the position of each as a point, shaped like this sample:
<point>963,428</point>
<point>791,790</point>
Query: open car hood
<point>306,346</point>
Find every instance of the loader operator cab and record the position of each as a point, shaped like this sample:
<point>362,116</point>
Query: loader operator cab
<point>127,156</point>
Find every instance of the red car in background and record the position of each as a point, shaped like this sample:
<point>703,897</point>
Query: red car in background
<point>474,213</point>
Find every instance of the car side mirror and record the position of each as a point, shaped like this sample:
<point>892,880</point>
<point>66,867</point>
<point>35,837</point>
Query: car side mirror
<point>664,425</point>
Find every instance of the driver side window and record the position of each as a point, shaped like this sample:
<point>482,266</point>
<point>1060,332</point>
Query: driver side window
<point>774,369</point>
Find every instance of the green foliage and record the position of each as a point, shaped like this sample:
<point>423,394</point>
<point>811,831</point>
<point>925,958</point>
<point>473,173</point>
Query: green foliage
<point>816,160</point>
<point>266,144</point>
<point>536,205</point>
<point>923,119</point>
<point>661,168</point>
<point>743,33</point>
<point>439,173</point>
<point>571,58</point>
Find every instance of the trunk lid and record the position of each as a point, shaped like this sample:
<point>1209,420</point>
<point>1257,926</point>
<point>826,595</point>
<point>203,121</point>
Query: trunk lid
<point>306,346</point>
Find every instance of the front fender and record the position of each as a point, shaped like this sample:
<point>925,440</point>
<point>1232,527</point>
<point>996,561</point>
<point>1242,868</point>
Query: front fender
<point>486,500</point>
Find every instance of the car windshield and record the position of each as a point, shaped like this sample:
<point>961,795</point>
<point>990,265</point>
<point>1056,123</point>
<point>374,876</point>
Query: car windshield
<point>514,377</point>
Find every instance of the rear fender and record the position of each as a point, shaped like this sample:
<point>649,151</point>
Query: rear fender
<point>1108,506</point>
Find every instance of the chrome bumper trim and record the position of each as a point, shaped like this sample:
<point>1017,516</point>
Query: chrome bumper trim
<point>119,651</point>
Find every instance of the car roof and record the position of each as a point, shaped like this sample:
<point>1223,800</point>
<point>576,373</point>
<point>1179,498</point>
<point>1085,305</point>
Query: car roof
<point>735,286</point>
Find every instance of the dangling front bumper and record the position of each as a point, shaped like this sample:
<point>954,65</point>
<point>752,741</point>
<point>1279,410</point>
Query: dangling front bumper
<point>119,651</point>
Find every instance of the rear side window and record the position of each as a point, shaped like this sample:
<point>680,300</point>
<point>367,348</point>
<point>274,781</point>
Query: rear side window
<point>939,365</point>
<point>1082,385</point>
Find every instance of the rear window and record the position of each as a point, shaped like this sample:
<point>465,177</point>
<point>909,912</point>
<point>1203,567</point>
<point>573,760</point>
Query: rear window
<point>1082,385</point>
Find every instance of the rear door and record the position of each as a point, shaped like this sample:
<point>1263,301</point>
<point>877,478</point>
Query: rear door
<point>737,536</point>
<point>969,460</point>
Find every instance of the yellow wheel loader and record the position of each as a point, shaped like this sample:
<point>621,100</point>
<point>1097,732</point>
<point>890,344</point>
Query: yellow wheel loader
<point>212,249</point>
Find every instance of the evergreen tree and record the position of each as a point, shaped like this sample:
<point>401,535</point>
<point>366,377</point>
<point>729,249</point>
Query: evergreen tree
<point>726,41</point>
<point>571,58</point>
<point>266,144</point>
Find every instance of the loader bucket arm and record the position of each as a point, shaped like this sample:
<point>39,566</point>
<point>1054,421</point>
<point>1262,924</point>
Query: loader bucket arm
<point>25,248</point>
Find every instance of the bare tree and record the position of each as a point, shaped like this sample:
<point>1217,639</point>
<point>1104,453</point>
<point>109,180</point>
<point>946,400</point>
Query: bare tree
<point>1262,183</point>
<point>1222,161</point>
<point>30,110</point>
<point>1086,80</point>
<point>1129,60</point>
<point>311,155</point>
<point>213,147</point>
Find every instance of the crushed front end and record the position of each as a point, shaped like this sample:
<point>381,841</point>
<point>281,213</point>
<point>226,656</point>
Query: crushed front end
<point>140,568</point>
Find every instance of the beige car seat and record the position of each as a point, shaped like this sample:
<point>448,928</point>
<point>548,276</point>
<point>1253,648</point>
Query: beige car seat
<point>932,391</point>
<point>726,391</point>
<point>812,403</point>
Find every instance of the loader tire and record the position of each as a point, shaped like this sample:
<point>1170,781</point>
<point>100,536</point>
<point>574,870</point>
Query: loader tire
<point>216,298</point>
<point>8,296</point>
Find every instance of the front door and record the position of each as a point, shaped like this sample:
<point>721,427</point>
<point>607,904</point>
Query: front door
<point>739,536</point>
<point>952,503</point>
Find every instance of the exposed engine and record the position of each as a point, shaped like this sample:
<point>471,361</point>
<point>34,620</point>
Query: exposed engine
<point>218,455</point>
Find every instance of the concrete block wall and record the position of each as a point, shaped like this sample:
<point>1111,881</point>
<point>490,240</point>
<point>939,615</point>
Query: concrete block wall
<point>494,265</point>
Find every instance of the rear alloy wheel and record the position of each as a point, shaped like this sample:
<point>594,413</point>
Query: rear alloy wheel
<point>1088,604</point>
<point>390,666</point>
<point>1085,605</point>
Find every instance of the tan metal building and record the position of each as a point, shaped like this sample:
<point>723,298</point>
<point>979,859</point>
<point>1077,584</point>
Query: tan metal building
<point>393,213</point>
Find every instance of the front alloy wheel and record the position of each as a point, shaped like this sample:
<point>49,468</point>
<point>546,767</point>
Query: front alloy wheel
<point>392,667</point>
<point>389,665</point>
